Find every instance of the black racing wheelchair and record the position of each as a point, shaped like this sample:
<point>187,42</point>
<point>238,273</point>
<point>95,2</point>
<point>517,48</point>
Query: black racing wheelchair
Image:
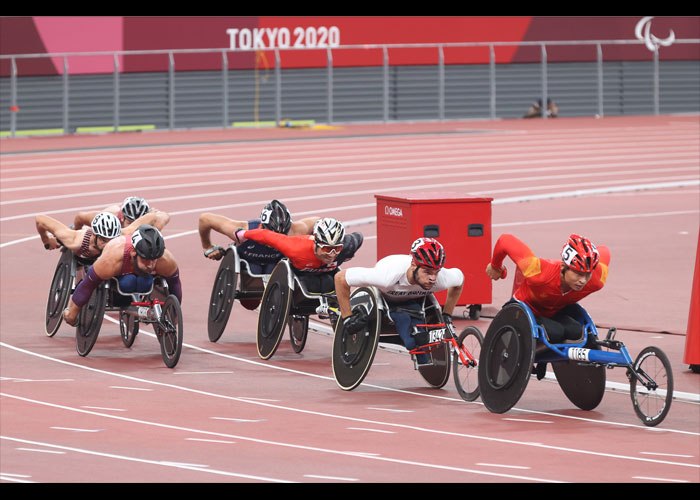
<point>155,306</point>
<point>234,281</point>
<point>353,353</point>
<point>514,342</point>
<point>287,300</point>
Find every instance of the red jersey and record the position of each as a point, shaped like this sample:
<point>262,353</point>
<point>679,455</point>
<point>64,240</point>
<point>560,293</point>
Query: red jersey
<point>299,249</point>
<point>541,285</point>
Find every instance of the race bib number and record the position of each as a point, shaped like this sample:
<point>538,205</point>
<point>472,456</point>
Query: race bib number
<point>578,354</point>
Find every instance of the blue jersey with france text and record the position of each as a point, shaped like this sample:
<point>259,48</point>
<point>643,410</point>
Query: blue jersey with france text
<point>258,253</point>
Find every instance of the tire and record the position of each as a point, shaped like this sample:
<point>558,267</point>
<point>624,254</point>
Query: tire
<point>60,291</point>
<point>222,297</point>
<point>465,376</point>
<point>90,320</point>
<point>298,332</point>
<point>170,337</point>
<point>128,327</point>
<point>274,311</point>
<point>652,406</point>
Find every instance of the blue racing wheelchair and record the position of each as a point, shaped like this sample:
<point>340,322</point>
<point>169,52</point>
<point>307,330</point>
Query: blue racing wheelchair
<point>514,342</point>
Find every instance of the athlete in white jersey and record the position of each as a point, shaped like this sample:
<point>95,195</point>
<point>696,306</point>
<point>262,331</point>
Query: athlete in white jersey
<point>403,281</point>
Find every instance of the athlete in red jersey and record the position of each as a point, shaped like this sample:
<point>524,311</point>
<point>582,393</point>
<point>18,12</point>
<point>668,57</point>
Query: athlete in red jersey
<point>316,256</point>
<point>551,285</point>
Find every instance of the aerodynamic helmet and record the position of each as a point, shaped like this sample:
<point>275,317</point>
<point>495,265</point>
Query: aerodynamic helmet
<point>428,252</point>
<point>580,254</point>
<point>276,217</point>
<point>148,242</point>
<point>329,231</point>
<point>134,207</point>
<point>107,225</point>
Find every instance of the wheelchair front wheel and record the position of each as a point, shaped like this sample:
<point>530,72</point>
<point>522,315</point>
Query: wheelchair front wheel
<point>128,327</point>
<point>466,378</point>
<point>60,291</point>
<point>298,331</point>
<point>90,320</point>
<point>170,337</point>
<point>652,406</point>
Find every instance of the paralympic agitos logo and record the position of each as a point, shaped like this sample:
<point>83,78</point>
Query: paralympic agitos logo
<point>643,33</point>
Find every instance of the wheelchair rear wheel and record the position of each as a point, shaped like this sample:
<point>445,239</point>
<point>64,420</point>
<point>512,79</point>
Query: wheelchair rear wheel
<point>60,291</point>
<point>274,311</point>
<point>583,384</point>
<point>466,377</point>
<point>353,353</point>
<point>652,406</point>
<point>223,294</point>
<point>170,337</point>
<point>506,359</point>
<point>90,320</point>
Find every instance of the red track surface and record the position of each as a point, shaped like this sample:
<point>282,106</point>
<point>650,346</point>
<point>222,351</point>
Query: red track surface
<point>222,414</point>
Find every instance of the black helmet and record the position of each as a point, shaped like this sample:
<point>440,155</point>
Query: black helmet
<point>134,207</point>
<point>275,217</point>
<point>148,242</point>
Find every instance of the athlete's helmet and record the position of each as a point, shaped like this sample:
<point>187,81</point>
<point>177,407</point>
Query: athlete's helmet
<point>329,231</point>
<point>276,217</point>
<point>107,225</point>
<point>580,254</point>
<point>428,252</point>
<point>148,242</point>
<point>134,207</point>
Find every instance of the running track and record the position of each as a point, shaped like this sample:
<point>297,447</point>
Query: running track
<point>223,415</point>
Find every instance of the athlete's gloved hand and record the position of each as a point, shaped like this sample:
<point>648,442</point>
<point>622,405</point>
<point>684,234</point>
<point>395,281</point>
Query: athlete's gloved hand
<point>447,318</point>
<point>239,235</point>
<point>356,322</point>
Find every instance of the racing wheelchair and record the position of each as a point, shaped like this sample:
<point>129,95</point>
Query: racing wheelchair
<point>353,353</point>
<point>155,306</point>
<point>514,342</point>
<point>288,301</point>
<point>235,281</point>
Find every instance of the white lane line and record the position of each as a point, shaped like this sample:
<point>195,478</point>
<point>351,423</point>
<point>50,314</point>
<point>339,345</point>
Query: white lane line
<point>146,461</point>
<point>129,388</point>
<point>201,373</point>
<point>332,478</point>
<point>102,408</point>
<point>41,451</point>
<point>210,440</point>
<point>660,479</point>
<point>665,454</point>
<point>503,465</point>
<point>72,429</point>
<point>392,410</point>
<point>525,420</point>
<point>242,420</point>
<point>370,430</point>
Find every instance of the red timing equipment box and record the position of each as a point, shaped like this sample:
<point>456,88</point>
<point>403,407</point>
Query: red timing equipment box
<point>460,222</point>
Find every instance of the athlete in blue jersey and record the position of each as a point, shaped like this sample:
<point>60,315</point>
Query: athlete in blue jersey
<point>261,258</point>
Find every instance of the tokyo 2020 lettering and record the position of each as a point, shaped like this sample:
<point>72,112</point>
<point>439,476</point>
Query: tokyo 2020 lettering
<point>270,38</point>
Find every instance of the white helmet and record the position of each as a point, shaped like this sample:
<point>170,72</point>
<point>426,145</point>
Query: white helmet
<point>107,225</point>
<point>134,207</point>
<point>329,231</point>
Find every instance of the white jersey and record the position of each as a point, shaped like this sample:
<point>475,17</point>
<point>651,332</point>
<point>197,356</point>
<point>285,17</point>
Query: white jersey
<point>389,277</point>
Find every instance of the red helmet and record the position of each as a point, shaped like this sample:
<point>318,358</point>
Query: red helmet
<point>580,254</point>
<point>428,252</point>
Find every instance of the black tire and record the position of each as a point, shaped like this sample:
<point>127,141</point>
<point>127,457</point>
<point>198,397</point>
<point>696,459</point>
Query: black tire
<point>274,311</point>
<point>128,327</point>
<point>506,359</point>
<point>223,294</point>
<point>466,377</point>
<point>652,406</point>
<point>353,354</point>
<point>298,331</point>
<point>171,336</point>
<point>90,320</point>
<point>60,291</point>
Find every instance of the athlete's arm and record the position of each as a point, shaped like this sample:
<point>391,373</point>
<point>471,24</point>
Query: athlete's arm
<point>303,226</point>
<point>70,238</point>
<point>155,218</point>
<point>519,252</point>
<point>220,224</point>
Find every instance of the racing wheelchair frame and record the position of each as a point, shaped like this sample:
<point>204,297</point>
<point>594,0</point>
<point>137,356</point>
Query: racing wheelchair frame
<point>156,307</point>
<point>286,300</point>
<point>353,354</point>
<point>514,342</point>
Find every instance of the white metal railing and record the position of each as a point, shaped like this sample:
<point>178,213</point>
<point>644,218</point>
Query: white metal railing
<point>440,47</point>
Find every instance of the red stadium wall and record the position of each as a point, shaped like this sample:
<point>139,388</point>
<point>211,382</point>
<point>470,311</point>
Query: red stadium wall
<point>25,35</point>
